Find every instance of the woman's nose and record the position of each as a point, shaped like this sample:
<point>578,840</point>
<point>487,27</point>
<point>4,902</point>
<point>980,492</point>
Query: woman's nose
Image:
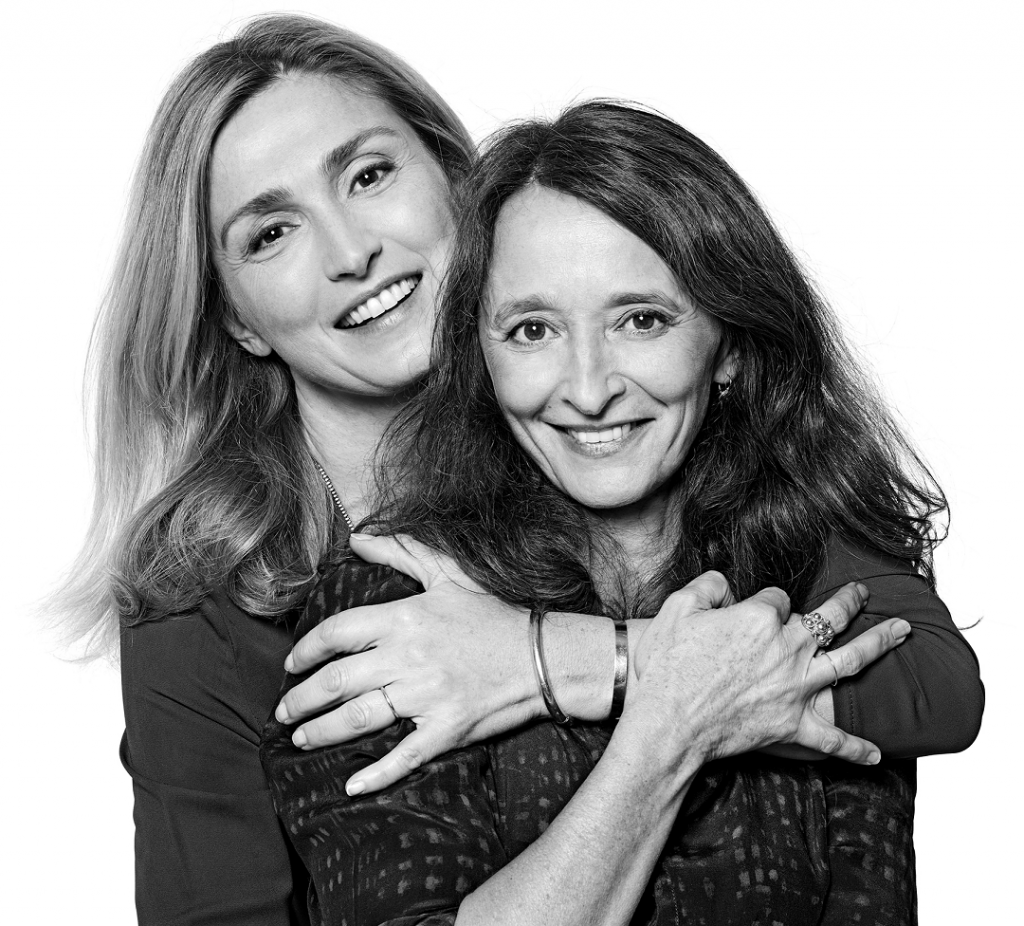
<point>349,248</point>
<point>591,380</point>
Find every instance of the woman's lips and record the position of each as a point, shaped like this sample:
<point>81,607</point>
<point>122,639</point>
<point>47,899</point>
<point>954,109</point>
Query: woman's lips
<point>377,305</point>
<point>604,436</point>
<point>599,442</point>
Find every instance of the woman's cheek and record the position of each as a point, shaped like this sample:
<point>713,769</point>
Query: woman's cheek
<point>521,383</point>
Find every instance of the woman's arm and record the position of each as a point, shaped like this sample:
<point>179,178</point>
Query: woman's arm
<point>926,698</point>
<point>209,847</point>
<point>466,675</point>
<point>593,861</point>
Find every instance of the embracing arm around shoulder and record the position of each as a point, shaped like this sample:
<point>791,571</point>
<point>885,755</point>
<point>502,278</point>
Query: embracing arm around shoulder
<point>750,680</point>
<point>208,845</point>
<point>458,660</point>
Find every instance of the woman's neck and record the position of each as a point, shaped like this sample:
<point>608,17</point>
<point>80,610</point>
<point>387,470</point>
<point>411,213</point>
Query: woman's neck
<point>642,538</point>
<point>343,431</point>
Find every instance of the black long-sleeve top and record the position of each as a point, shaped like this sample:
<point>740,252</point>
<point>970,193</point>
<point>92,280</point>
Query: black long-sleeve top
<point>199,688</point>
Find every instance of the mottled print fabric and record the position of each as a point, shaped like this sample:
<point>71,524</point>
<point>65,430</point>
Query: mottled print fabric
<point>758,842</point>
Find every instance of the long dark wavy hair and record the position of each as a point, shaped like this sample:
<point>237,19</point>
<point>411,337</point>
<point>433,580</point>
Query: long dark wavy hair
<point>801,450</point>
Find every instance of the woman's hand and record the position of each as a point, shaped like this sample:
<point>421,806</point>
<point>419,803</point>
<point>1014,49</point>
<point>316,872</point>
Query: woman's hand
<point>741,676</point>
<point>455,661</point>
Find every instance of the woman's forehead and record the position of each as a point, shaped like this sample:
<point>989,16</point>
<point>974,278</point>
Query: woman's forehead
<point>550,242</point>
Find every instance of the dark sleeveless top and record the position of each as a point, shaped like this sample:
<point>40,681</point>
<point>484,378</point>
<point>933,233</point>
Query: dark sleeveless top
<point>758,840</point>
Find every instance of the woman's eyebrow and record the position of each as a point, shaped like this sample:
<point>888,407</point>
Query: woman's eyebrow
<point>655,296</point>
<point>330,165</point>
<point>266,201</point>
<point>535,303</point>
<point>337,159</point>
<point>506,310</point>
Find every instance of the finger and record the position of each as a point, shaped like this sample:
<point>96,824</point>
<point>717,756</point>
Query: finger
<point>353,719</point>
<point>404,554</point>
<point>844,605</point>
<point>852,657</point>
<point>340,680</point>
<point>416,749</point>
<point>772,599</point>
<point>351,631</point>
<point>823,737</point>
<point>709,590</point>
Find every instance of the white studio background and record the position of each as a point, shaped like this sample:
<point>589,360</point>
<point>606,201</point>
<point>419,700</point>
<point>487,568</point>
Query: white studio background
<point>885,139</point>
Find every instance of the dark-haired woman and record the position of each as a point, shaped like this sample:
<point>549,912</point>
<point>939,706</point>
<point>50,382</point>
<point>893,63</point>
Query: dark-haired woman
<point>635,384</point>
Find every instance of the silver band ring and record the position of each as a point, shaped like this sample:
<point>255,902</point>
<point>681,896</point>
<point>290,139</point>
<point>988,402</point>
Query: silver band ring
<point>831,662</point>
<point>383,691</point>
<point>820,628</point>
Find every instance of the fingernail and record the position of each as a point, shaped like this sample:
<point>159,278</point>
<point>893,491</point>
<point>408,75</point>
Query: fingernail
<point>289,663</point>
<point>355,535</point>
<point>355,787</point>
<point>299,739</point>
<point>901,630</point>
<point>863,589</point>
<point>282,713</point>
<point>874,758</point>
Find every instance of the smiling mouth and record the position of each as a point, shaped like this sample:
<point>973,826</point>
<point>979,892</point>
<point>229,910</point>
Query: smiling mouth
<point>606,436</point>
<point>387,299</point>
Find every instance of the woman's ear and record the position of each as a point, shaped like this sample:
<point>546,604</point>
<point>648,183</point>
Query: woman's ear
<point>244,335</point>
<point>728,363</point>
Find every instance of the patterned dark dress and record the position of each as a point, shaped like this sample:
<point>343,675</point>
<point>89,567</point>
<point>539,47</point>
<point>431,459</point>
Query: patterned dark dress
<point>758,842</point>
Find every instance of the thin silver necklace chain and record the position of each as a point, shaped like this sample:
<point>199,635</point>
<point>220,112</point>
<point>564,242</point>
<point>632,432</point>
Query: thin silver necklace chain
<point>334,495</point>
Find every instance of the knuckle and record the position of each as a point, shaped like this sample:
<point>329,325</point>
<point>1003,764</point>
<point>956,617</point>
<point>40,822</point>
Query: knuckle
<point>685,599</point>
<point>335,676</point>
<point>417,654</point>
<point>404,618</point>
<point>831,742</point>
<point>714,577</point>
<point>409,758</point>
<point>326,634</point>
<point>357,715</point>
<point>850,662</point>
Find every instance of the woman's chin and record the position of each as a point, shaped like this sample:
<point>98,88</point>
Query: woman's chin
<point>609,500</point>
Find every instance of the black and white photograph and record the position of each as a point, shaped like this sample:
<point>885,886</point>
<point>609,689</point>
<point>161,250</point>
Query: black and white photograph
<point>537,465</point>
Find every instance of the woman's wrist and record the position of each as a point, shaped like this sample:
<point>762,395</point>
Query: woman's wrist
<point>579,651</point>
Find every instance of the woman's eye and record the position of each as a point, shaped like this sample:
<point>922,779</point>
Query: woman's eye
<point>645,321</point>
<point>267,238</point>
<point>370,176</point>
<point>530,332</point>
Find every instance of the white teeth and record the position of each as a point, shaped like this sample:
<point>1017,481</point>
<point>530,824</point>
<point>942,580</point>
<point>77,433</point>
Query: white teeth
<point>602,437</point>
<point>384,301</point>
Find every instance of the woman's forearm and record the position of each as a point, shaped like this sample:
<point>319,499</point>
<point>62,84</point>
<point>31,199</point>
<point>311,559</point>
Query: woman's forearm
<point>590,867</point>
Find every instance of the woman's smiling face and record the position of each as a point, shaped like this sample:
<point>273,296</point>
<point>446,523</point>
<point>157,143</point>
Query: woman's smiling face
<point>601,364</point>
<point>330,224</point>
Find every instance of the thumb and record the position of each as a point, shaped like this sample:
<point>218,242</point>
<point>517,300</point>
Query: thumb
<point>402,553</point>
<point>708,591</point>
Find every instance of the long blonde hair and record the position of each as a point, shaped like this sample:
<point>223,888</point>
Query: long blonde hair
<point>203,477</point>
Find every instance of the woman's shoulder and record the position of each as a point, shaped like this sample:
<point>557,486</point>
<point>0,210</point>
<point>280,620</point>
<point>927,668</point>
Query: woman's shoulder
<point>206,680</point>
<point>848,561</point>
